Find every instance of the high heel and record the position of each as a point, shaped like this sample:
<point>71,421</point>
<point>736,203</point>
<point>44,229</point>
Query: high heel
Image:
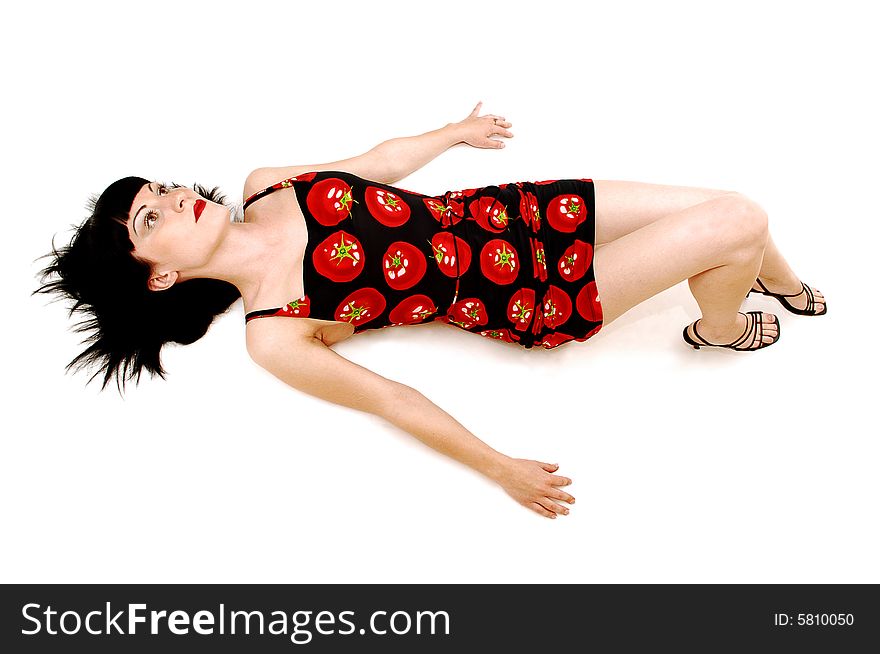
<point>809,310</point>
<point>755,330</point>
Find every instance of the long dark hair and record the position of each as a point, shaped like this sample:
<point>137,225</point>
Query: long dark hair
<point>128,323</point>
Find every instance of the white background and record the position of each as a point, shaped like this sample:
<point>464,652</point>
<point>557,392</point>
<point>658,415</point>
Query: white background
<point>688,466</point>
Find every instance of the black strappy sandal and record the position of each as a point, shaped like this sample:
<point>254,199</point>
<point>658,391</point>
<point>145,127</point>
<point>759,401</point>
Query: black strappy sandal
<point>755,330</point>
<point>809,310</point>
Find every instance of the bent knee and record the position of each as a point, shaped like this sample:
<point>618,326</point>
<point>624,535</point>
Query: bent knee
<point>745,221</point>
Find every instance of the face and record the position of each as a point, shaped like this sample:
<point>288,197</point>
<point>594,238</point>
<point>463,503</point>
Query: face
<point>164,229</point>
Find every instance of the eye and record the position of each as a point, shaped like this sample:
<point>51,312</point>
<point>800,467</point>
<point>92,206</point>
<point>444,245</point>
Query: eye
<point>153,215</point>
<point>148,216</point>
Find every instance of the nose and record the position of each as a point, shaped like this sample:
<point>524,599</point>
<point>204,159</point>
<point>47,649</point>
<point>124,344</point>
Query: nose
<point>178,198</point>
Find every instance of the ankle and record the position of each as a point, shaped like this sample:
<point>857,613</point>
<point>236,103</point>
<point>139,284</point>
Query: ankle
<point>784,281</point>
<point>715,327</point>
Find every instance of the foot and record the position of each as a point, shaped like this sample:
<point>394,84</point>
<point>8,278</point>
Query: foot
<point>786,288</point>
<point>732,332</point>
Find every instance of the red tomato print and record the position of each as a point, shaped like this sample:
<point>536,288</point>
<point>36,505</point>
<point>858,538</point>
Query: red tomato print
<point>461,195</point>
<point>565,212</point>
<point>386,207</point>
<point>456,207</point>
<point>468,313</point>
<point>575,260</point>
<point>297,309</point>
<point>361,307</point>
<point>499,261</point>
<point>404,265</point>
<point>445,214</point>
<point>339,257</point>
<point>501,335</point>
<point>588,304</point>
<point>537,321</point>
<point>555,339</point>
<point>556,308</point>
<point>445,246</point>
<point>490,214</point>
<point>592,332</point>
<point>529,210</point>
<point>413,310</point>
<point>514,261</point>
<point>521,308</point>
<point>330,201</point>
<point>539,259</point>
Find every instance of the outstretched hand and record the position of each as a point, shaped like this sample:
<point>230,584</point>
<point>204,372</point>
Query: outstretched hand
<point>476,130</point>
<point>532,484</point>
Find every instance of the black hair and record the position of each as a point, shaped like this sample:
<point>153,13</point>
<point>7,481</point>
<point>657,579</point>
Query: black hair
<point>129,323</point>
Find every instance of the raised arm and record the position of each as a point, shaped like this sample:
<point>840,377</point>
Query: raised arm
<point>395,158</point>
<point>404,155</point>
<point>304,362</point>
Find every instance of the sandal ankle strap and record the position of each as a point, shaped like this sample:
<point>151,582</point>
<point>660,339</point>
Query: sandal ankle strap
<point>804,287</point>
<point>811,305</point>
<point>750,330</point>
<point>736,342</point>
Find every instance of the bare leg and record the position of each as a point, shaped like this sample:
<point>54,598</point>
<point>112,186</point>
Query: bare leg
<point>623,207</point>
<point>720,243</point>
<point>778,277</point>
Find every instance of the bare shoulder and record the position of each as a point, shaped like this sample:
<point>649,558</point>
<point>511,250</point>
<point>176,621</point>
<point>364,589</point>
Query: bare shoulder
<point>267,336</point>
<point>287,350</point>
<point>370,165</point>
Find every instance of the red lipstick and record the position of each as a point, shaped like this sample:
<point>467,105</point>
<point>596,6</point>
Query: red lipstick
<point>198,207</point>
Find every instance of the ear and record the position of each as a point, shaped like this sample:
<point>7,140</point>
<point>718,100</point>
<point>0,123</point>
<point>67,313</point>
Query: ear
<point>162,282</point>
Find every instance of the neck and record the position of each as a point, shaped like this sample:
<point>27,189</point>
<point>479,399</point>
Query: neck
<point>244,257</point>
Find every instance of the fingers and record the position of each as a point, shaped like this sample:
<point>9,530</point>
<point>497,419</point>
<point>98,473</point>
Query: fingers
<point>497,129</point>
<point>537,508</point>
<point>557,480</point>
<point>499,124</point>
<point>502,122</point>
<point>550,505</point>
<point>548,508</point>
<point>560,495</point>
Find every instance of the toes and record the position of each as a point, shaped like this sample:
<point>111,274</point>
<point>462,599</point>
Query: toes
<point>771,327</point>
<point>818,300</point>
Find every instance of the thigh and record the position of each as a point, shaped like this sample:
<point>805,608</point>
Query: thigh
<point>623,207</point>
<point>630,269</point>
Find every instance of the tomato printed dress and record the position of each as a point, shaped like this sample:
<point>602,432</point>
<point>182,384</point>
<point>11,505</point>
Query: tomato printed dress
<point>512,262</point>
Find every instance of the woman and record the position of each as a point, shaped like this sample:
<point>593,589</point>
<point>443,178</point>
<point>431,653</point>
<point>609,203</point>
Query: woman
<point>337,247</point>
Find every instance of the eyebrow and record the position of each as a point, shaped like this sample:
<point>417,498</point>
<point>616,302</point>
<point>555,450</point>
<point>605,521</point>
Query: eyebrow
<point>134,220</point>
